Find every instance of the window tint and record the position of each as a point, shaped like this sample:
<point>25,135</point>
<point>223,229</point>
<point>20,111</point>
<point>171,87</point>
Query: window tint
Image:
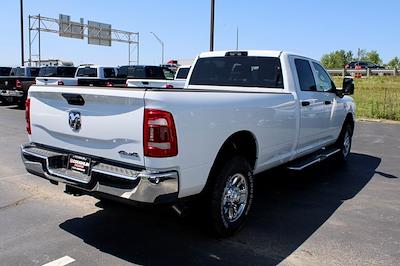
<point>324,80</point>
<point>109,72</point>
<point>183,73</point>
<point>87,72</point>
<point>17,71</point>
<point>243,71</point>
<point>66,72</point>
<point>305,75</point>
<point>155,73</point>
<point>141,72</point>
<point>5,71</point>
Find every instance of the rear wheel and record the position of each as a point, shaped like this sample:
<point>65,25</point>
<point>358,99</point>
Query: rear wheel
<point>231,197</point>
<point>344,142</point>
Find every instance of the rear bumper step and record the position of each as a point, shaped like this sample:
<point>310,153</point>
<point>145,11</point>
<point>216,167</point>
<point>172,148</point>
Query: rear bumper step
<point>307,161</point>
<point>137,185</point>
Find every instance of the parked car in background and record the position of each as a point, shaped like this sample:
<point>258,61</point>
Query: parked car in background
<point>5,71</point>
<point>14,88</point>
<point>149,77</point>
<point>101,76</point>
<point>243,112</point>
<point>57,75</point>
<point>363,65</point>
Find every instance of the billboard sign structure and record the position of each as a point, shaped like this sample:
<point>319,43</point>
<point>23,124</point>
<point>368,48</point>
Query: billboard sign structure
<point>70,29</point>
<point>99,33</point>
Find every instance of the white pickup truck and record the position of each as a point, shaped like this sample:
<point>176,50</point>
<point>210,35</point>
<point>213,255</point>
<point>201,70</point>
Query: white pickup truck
<point>57,75</point>
<point>242,113</point>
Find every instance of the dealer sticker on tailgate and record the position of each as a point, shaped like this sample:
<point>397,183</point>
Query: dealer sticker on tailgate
<point>79,164</point>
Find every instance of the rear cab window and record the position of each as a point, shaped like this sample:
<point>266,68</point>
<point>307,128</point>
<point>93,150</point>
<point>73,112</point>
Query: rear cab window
<point>33,71</point>
<point>18,72</point>
<point>240,71</point>
<point>87,72</point>
<point>5,71</point>
<point>109,72</point>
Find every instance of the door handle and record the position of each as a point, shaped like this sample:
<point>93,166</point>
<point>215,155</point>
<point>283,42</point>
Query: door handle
<point>305,103</point>
<point>328,102</point>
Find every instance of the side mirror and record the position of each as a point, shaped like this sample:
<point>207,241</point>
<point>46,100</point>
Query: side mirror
<point>348,86</point>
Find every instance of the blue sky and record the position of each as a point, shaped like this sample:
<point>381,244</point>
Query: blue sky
<point>308,27</point>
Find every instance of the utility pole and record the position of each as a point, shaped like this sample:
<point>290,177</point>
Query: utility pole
<point>22,31</point>
<point>212,25</point>
<point>237,38</point>
<point>162,47</point>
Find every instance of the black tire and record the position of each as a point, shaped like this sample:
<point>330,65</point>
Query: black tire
<point>221,222</point>
<point>344,143</point>
<point>21,104</point>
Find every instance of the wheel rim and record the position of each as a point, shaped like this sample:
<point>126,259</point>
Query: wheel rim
<point>346,144</point>
<point>234,198</point>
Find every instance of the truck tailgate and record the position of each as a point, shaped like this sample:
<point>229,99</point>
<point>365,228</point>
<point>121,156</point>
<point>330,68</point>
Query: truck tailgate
<point>111,121</point>
<point>55,81</point>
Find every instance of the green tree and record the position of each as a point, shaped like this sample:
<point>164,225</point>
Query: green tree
<point>337,59</point>
<point>373,57</point>
<point>394,63</point>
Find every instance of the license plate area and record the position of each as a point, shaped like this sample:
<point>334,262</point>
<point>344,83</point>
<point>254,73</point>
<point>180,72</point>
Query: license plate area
<point>79,164</point>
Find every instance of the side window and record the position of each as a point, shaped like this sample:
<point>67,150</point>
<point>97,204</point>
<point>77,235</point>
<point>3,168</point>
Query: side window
<point>305,75</point>
<point>324,80</point>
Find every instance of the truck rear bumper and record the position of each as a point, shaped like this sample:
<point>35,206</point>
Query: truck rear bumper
<point>119,181</point>
<point>11,93</point>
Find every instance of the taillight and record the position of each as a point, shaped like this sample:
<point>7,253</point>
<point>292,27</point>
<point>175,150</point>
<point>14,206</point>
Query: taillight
<point>169,86</point>
<point>60,83</point>
<point>109,84</point>
<point>18,84</point>
<point>159,134</point>
<point>28,115</point>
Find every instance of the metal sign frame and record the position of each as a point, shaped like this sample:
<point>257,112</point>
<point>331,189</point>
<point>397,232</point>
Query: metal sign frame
<point>38,24</point>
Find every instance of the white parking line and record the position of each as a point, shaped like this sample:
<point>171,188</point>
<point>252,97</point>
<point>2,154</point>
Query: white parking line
<point>60,262</point>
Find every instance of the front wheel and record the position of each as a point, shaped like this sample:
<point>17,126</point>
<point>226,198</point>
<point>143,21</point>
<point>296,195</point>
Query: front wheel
<point>344,143</point>
<point>232,196</point>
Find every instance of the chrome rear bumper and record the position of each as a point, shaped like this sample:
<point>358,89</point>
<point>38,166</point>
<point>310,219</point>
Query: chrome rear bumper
<point>11,93</point>
<point>119,181</point>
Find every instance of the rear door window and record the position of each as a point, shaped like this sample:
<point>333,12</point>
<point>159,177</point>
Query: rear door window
<point>241,71</point>
<point>305,75</point>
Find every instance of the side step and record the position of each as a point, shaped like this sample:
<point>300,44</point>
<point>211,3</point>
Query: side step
<point>316,157</point>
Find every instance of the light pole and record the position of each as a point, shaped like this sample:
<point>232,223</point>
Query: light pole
<point>22,31</point>
<point>162,47</point>
<point>212,25</point>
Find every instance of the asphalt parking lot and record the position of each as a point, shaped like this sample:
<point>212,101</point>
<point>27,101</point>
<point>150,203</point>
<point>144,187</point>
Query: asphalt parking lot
<point>328,215</point>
